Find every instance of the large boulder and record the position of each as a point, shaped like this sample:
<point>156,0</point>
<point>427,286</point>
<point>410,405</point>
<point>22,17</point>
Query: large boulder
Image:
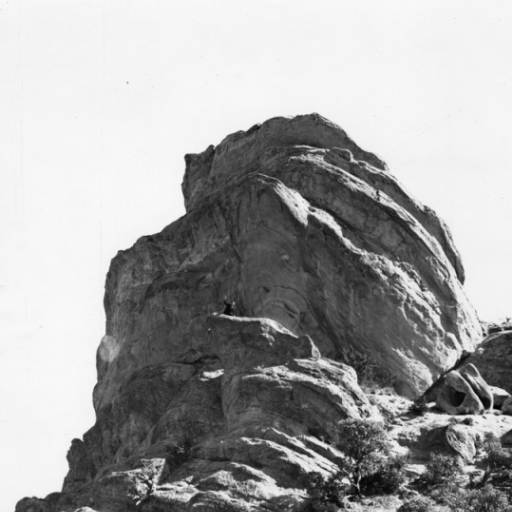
<point>499,396</point>
<point>462,440</point>
<point>454,439</point>
<point>462,391</point>
<point>478,384</point>
<point>455,395</point>
<point>337,273</point>
<point>493,358</point>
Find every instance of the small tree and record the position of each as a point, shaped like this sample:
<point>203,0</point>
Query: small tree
<point>387,478</point>
<point>366,469</point>
<point>366,445</point>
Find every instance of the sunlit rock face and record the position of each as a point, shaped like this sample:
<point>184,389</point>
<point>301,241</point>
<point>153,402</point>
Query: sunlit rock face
<point>462,391</point>
<point>337,274</point>
<point>296,223</point>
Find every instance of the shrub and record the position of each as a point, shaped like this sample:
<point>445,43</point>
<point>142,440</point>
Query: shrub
<point>417,504</point>
<point>487,499</point>
<point>441,468</point>
<point>419,407</point>
<point>324,492</point>
<point>495,457</point>
<point>387,479</point>
<point>178,454</point>
<point>450,495</point>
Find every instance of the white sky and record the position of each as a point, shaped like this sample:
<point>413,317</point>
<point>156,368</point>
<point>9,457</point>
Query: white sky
<point>101,99</point>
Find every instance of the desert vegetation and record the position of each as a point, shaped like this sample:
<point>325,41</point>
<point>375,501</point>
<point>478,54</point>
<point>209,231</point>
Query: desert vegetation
<point>370,470</point>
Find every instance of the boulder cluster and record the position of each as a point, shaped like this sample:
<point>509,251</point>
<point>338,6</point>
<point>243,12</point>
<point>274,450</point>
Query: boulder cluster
<point>464,390</point>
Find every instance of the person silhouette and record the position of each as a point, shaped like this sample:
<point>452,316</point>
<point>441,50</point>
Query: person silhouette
<point>229,308</point>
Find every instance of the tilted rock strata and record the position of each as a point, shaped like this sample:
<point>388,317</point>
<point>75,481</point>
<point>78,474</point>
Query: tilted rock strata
<point>325,244</point>
<point>283,140</point>
<point>382,281</point>
<point>331,264</point>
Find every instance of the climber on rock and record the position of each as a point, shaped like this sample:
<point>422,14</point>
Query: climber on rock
<point>229,308</point>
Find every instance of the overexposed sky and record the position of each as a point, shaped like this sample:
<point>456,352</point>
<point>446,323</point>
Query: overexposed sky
<point>101,99</point>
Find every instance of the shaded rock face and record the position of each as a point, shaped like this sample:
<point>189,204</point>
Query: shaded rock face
<point>333,267</point>
<point>499,396</point>
<point>507,405</point>
<point>493,358</point>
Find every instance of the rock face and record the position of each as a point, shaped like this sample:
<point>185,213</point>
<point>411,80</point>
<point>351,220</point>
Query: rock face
<point>493,358</point>
<point>332,267</point>
<point>506,407</point>
<point>499,395</point>
<point>334,247</point>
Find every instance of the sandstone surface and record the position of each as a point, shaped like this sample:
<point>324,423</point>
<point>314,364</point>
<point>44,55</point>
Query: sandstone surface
<point>337,274</point>
<point>499,396</point>
<point>493,358</point>
<point>462,391</point>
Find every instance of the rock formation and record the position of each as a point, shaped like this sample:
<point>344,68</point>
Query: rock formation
<point>493,358</point>
<point>456,439</point>
<point>499,395</point>
<point>337,273</point>
<point>462,391</point>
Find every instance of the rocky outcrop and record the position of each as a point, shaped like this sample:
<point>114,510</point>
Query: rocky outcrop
<point>499,395</point>
<point>336,272</point>
<point>239,430</point>
<point>368,272</point>
<point>493,358</point>
<point>455,439</point>
<point>462,391</point>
